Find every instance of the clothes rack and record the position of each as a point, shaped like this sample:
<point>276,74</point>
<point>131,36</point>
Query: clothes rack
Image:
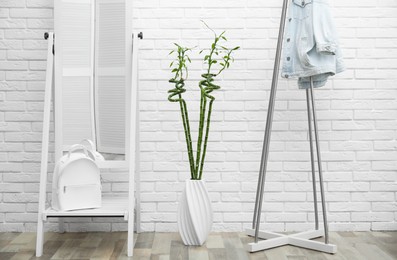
<point>271,239</point>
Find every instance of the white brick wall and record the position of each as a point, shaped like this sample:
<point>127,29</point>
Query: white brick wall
<point>357,113</point>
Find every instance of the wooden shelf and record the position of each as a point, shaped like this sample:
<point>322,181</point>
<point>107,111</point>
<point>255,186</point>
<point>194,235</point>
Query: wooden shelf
<point>111,207</point>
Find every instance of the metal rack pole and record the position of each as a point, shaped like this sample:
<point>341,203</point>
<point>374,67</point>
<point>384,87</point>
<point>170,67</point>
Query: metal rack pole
<point>309,121</point>
<point>269,120</point>
<point>320,171</point>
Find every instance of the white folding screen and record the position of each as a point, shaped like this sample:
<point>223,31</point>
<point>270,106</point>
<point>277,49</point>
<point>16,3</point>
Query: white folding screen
<point>90,72</point>
<point>110,75</point>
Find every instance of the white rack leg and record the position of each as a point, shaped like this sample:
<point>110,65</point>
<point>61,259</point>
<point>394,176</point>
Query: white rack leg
<point>137,156</point>
<point>61,225</point>
<point>130,235</point>
<point>39,237</point>
<point>44,145</point>
<point>313,245</point>
<point>299,239</point>
<point>132,153</point>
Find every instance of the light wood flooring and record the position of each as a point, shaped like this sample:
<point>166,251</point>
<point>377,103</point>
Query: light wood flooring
<point>168,246</point>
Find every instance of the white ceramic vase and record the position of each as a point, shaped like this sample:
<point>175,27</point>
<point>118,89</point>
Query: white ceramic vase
<point>195,213</point>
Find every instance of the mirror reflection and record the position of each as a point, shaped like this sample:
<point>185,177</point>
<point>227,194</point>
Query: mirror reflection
<point>94,78</point>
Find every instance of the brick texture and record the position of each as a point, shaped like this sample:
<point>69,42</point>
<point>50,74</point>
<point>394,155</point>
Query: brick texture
<point>357,112</point>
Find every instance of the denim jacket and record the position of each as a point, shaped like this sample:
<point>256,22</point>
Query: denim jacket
<point>310,46</point>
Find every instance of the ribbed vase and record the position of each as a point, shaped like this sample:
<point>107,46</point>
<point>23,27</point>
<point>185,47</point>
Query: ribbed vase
<point>194,213</point>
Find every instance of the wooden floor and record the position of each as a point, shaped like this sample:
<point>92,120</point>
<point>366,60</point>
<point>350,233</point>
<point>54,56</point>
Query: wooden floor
<point>168,246</point>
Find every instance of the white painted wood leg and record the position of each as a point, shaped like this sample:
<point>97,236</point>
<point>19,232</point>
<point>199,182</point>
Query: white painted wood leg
<point>44,143</point>
<point>40,238</point>
<point>61,225</point>
<point>133,142</point>
<point>130,235</point>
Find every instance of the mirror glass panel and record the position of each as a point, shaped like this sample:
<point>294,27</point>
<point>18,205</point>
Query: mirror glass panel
<point>93,74</point>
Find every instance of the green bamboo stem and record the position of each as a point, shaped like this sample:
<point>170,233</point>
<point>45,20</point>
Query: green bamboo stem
<point>189,140</point>
<point>206,138</point>
<point>203,104</point>
<point>186,127</point>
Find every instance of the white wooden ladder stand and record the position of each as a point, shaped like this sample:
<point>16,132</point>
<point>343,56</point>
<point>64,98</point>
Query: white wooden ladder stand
<point>271,239</point>
<point>112,206</point>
